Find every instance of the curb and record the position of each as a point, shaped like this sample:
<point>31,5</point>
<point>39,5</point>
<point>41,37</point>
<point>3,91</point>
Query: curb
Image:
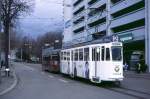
<point>12,86</point>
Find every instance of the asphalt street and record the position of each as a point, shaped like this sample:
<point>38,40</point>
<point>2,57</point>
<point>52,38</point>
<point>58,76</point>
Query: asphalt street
<point>36,84</point>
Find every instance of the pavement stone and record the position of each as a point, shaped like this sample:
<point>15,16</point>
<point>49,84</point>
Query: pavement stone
<point>7,83</point>
<point>137,82</point>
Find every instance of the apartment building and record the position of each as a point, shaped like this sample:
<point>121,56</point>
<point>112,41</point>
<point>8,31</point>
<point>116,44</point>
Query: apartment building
<point>67,14</point>
<point>94,19</point>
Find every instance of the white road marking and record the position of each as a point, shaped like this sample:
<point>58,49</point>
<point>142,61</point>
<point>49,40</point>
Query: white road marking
<point>62,80</point>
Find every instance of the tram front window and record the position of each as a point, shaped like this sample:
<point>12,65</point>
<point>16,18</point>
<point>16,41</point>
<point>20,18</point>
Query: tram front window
<point>116,53</point>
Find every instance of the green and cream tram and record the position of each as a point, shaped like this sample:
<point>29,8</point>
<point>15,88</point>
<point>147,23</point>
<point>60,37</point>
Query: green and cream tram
<point>96,61</point>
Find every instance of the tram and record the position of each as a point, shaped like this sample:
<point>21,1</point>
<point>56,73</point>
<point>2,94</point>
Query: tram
<point>97,61</point>
<point>51,60</point>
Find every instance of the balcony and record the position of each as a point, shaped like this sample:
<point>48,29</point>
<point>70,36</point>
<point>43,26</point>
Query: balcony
<point>79,38</point>
<point>97,17</point>
<point>79,15</point>
<point>131,17</point>
<point>122,5</point>
<point>79,25</point>
<point>98,28</point>
<point>73,1</point>
<point>78,6</point>
<point>97,4</point>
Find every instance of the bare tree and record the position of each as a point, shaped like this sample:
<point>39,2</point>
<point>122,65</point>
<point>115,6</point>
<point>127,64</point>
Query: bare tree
<point>15,39</point>
<point>47,38</point>
<point>10,11</point>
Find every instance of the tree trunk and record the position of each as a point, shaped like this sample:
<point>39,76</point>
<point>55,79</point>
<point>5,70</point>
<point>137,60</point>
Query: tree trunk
<point>6,31</point>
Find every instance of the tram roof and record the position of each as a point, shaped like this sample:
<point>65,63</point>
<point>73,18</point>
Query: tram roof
<point>49,51</point>
<point>106,39</point>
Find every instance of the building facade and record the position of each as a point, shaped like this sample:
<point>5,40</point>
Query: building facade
<point>94,19</point>
<point>67,12</point>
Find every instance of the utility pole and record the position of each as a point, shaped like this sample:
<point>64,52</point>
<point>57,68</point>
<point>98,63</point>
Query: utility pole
<point>21,54</point>
<point>0,17</point>
<point>147,33</point>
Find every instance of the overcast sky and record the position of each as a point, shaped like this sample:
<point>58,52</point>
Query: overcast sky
<point>47,16</point>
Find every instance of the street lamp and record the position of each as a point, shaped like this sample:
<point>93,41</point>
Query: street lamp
<point>56,44</point>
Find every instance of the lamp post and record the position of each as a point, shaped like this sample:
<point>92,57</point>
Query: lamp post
<point>56,44</point>
<point>21,54</point>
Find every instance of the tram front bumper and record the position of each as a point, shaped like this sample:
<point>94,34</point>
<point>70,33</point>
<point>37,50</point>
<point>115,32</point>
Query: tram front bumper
<point>115,79</point>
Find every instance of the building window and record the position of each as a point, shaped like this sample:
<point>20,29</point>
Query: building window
<point>79,10</point>
<point>115,1</point>
<point>79,20</point>
<point>98,10</point>
<point>100,21</point>
<point>79,30</point>
<point>92,2</point>
<point>77,2</point>
<point>129,9</point>
<point>129,26</point>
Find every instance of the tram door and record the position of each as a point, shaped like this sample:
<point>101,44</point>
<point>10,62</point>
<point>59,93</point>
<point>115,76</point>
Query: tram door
<point>96,60</point>
<point>71,63</point>
<point>68,62</point>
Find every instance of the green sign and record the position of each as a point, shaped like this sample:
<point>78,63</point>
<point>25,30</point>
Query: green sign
<point>124,37</point>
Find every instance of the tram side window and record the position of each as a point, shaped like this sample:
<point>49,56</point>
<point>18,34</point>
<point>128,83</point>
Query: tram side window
<point>81,54</point>
<point>76,55</point>
<point>72,55</point>
<point>55,57</point>
<point>68,55</point>
<point>107,54</point>
<point>93,54</point>
<point>61,55</point>
<point>103,53</point>
<point>86,54</point>
<point>64,55</point>
<point>96,54</point>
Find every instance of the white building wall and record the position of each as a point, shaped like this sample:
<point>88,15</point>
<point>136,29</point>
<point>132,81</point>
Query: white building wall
<point>67,34</point>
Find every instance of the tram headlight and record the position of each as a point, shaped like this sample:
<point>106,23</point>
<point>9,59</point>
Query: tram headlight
<point>117,69</point>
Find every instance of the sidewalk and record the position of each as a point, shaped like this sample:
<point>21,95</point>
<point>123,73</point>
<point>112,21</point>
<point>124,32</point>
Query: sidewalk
<point>137,82</point>
<point>7,83</point>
